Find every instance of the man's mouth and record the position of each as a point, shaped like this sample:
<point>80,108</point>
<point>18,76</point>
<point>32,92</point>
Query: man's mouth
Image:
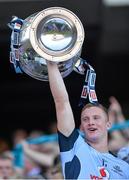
<point>92,129</point>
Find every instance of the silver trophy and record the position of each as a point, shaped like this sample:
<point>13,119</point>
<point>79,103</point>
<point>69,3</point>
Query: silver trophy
<point>54,34</point>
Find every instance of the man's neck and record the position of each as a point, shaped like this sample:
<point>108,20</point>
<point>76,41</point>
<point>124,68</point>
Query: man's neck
<point>101,147</point>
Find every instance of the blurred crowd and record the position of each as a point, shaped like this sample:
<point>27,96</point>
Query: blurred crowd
<point>40,159</point>
<point>119,133</point>
<point>37,160</point>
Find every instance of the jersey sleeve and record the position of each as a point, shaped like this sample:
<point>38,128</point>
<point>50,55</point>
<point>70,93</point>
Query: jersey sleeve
<point>67,143</point>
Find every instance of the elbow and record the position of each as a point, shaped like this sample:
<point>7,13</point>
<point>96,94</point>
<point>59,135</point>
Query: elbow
<point>61,100</point>
<point>62,105</point>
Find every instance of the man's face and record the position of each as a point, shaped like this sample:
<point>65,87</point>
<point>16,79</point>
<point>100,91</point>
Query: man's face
<point>94,124</point>
<point>6,168</point>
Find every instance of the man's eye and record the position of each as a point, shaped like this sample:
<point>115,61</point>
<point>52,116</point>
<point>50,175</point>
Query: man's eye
<point>85,119</point>
<point>96,117</point>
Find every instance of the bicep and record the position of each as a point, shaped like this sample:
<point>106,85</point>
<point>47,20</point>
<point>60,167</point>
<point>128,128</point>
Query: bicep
<point>65,119</point>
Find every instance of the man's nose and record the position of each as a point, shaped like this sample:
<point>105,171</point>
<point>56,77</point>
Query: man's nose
<point>91,121</point>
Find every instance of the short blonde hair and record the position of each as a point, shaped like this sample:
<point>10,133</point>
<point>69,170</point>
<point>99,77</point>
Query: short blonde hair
<point>89,105</point>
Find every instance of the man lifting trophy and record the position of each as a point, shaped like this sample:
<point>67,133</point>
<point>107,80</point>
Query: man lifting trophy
<point>47,46</point>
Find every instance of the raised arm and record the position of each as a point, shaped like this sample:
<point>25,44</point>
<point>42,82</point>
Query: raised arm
<point>116,108</point>
<point>42,158</point>
<point>65,119</point>
<point>116,116</point>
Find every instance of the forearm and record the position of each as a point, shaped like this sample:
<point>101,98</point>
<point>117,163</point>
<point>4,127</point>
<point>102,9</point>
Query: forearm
<point>120,117</point>
<point>41,158</point>
<point>57,86</point>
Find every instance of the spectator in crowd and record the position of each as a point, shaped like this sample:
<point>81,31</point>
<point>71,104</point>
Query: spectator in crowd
<point>119,142</point>
<point>4,146</point>
<point>81,158</point>
<point>31,168</point>
<point>53,127</point>
<point>123,153</point>
<point>45,158</point>
<point>118,138</point>
<point>55,172</point>
<point>7,170</point>
<point>19,135</point>
<point>35,134</point>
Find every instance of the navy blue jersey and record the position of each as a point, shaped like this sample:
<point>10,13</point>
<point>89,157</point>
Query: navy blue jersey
<point>81,161</point>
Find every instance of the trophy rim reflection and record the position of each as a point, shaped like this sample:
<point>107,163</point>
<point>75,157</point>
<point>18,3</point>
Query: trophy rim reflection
<point>63,13</point>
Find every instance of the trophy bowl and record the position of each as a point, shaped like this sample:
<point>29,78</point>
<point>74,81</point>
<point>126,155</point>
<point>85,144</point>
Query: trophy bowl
<point>54,34</point>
